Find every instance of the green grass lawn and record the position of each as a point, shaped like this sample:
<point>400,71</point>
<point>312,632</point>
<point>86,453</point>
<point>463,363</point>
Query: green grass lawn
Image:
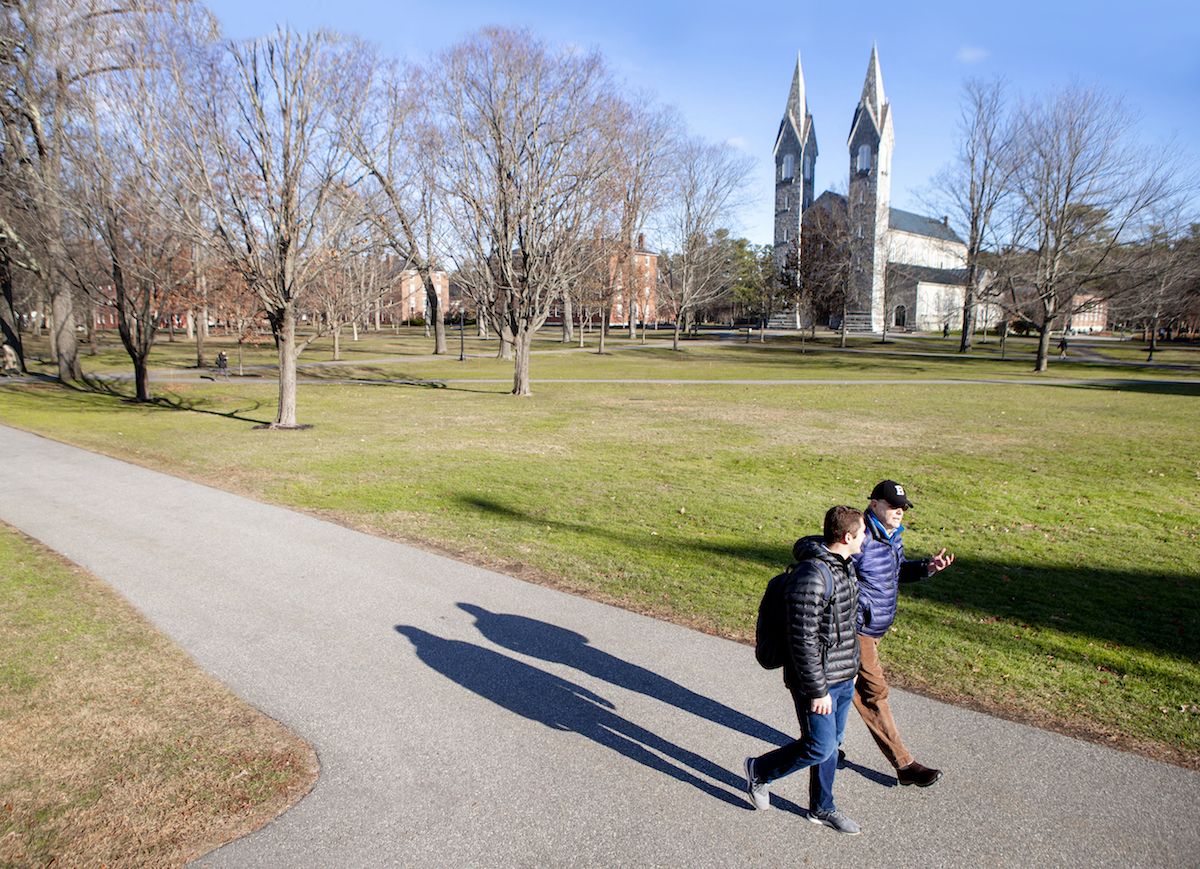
<point>1071,499</point>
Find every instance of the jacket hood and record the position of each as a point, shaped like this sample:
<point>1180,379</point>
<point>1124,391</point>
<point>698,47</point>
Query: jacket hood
<point>813,546</point>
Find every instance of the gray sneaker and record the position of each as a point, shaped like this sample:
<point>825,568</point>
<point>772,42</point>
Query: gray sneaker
<point>760,797</point>
<point>836,820</point>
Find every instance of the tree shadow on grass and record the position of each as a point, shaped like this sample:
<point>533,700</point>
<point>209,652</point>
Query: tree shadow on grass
<point>770,555</point>
<point>321,376</point>
<point>118,394</point>
<point>1155,611</point>
<point>1187,388</point>
<point>1158,612</point>
<point>563,705</point>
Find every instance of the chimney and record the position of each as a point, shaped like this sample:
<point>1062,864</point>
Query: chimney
<point>641,241</point>
<point>945,220</point>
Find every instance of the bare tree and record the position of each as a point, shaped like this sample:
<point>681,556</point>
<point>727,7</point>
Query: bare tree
<point>391,137</point>
<point>526,140</point>
<point>976,182</point>
<point>1165,268</point>
<point>640,179</point>
<point>124,188</point>
<point>1083,186</point>
<point>266,153</point>
<point>48,48</point>
<point>142,248</point>
<point>708,186</point>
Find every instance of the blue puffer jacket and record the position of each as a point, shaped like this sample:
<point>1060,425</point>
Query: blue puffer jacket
<point>880,565</point>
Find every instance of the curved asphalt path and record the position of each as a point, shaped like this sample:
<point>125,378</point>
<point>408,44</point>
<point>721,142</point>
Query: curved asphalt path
<point>466,719</point>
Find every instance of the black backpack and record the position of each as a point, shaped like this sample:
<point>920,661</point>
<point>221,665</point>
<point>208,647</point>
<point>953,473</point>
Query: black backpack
<point>770,633</point>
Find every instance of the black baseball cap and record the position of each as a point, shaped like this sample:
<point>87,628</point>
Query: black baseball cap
<point>892,492</point>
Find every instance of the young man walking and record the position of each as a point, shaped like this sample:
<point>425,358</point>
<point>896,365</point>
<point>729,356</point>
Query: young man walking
<point>820,599</point>
<point>881,567</point>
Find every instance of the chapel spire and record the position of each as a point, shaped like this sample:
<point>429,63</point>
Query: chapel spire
<point>872,95</point>
<point>797,105</point>
<point>795,158</point>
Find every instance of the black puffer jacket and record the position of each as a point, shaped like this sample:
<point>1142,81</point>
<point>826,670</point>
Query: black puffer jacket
<point>821,639</point>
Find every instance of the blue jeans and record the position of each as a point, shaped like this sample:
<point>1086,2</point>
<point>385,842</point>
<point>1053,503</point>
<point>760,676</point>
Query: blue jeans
<point>820,736</point>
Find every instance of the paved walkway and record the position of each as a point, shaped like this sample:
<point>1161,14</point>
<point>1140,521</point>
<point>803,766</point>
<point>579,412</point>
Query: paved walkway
<point>466,719</point>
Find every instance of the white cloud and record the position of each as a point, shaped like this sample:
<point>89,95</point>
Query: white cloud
<point>971,54</point>
<point>738,142</point>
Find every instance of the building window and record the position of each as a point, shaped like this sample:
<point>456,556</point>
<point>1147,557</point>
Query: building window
<point>808,167</point>
<point>864,158</point>
<point>789,167</point>
<point>900,320</point>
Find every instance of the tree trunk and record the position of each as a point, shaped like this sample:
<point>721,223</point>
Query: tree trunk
<point>675,341</point>
<point>1043,353</point>
<point>285,337</point>
<point>434,306</point>
<point>568,316</point>
<point>141,377</point>
<point>201,328</point>
<point>968,326</point>
<point>10,321</point>
<point>92,332</point>
<point>604,315</point>
<point>64,346</point>
<point>522,339</point>
<point>506,342</point>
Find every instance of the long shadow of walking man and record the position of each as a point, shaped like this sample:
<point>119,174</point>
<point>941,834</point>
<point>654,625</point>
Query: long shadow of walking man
<point>563,705</point>
<point>549,642</point>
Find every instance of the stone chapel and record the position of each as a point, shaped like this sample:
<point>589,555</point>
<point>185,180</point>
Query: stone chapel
<point>907,271</point>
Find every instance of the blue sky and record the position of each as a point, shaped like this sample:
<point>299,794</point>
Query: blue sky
<point>728,67</point>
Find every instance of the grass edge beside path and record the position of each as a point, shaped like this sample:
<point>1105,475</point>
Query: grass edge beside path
<point>116,749</point>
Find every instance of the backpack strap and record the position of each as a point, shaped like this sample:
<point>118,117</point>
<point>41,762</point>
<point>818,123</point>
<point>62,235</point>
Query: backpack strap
<point>828,574</point>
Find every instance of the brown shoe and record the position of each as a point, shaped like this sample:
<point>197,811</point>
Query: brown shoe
<point>915,774</point>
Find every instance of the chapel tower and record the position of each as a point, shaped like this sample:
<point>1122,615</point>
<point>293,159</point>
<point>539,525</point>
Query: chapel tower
<point>795,162</point>
<point>869,198</point>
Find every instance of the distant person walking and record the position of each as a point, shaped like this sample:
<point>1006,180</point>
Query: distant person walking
<point>222,365</point>
<point>819,666</point>
<point>1062,346</point>
<point>881,567</point>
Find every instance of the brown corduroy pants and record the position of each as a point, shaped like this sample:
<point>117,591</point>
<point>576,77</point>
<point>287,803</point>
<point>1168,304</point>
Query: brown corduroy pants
<point>870,699</point>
